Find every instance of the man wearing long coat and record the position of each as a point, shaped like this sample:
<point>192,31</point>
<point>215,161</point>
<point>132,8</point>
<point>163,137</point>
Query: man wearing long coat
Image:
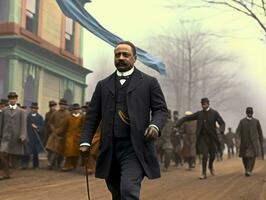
<point>207,139</point>
<point>166,143</point>
<point>230,142</point>
<point>131,107</point>
<point>72,138</point>
<point>47,121</point>
<point>35,134</point>
<point>251,140</point>
<point>188,131</point>
<point>55,143</point>
<point>13,133</point>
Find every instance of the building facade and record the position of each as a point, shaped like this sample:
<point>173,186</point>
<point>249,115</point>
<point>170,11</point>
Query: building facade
<point>40,53</point>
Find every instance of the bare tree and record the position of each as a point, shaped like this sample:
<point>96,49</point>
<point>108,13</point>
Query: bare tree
<point>256,9</point>
<point>194,67</point>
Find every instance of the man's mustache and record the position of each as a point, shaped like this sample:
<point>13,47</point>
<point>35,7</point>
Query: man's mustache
<point>122,63</point>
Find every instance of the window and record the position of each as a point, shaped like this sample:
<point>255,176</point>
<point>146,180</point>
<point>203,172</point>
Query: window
<point>32,15</point>
<point>3,75</point>
<point>69,35</point>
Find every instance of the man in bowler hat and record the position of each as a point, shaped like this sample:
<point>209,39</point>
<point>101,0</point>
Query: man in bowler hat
<point>55,143</point>
<point>35,134</point>
<point>251,137</point>
<point>13,133</point>
<point>207,139</point>
<point>132,110</point>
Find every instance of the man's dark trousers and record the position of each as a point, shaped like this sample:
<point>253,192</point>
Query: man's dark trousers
<point>126,173</point>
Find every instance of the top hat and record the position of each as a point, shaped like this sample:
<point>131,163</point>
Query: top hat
<point>204,100</point>
<point>34,105</point>
<point>62,102</point>
<point>75,106</point>
<point>52,103</point>
<point>12,95</point>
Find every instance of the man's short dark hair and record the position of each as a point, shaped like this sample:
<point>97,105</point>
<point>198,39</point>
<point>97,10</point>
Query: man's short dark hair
<point>129,44</point>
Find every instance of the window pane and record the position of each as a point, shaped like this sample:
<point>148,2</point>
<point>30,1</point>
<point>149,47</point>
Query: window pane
<point>69,26</point>
<point>31,5</point>
<point>29,14</point>
<point>3,75</point>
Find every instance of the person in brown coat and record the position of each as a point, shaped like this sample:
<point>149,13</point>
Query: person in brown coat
<point>47,126</point>
<point>55,142</point>
<point>47,119</point>
<point>188,130</point>
<point>13,132</point>
<point>72,138</point>
<point>251,141</point>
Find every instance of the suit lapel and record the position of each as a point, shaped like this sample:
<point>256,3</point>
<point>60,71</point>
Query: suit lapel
<point>111,83</point>
<point>11,112</point>
<point>135,80</point>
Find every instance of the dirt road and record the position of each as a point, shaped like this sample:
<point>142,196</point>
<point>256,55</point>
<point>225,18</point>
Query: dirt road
<point>178,184</point>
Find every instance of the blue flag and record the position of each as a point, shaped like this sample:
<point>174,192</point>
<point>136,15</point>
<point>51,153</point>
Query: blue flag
<point>75,10</point>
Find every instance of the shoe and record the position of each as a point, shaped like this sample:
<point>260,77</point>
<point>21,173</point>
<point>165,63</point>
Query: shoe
<point>212,171</point>
<point>247,174</point>
<point>64,169</point>
<point>203,176</point>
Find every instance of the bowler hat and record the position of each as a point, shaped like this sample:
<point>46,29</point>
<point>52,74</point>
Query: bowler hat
<point>63,102</point>
<point>34,105</point>
<point>52,103</point>
<point>12,95</point>
<point>75,106</point>
<point>205,100</point>
<point>249,110</point>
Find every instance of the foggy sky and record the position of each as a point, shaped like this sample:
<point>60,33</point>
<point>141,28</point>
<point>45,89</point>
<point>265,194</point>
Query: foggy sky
<point>138,21</point>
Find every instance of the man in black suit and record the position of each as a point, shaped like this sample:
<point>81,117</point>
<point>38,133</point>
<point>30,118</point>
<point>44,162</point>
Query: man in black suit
<point>251,146</point>
<point>132,111</point>
<point>207,139</point>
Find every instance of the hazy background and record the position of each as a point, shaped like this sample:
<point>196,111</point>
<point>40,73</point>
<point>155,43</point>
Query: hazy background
<point>230,34</point>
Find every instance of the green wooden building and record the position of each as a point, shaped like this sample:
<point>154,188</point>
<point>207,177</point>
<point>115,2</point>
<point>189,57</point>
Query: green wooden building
<point>40,53</point>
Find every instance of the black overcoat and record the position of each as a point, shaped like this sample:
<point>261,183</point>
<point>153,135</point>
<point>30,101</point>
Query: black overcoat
<point>146,105</point>
<point>250,133</point>
<point>212,117</point>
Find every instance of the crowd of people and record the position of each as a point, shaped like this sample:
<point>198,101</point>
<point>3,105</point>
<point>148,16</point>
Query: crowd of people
<point>127,128</point>
<point>24,134</point>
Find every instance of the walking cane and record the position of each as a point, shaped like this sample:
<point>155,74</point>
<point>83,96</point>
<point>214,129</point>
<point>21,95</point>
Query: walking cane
<point>87,177</point>
<point>39,139</point>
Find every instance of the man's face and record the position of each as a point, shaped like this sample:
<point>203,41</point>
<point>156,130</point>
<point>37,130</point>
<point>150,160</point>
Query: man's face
<point>250,114</point>
<point>124,58</point>
<point>62,107</point>
<point>52,108</point>
<point>34,110</point>
<point>205,106</point>
<point>13,100</point>
<point>76,111</point>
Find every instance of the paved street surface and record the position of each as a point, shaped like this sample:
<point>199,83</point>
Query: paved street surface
<point>229,183</point>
